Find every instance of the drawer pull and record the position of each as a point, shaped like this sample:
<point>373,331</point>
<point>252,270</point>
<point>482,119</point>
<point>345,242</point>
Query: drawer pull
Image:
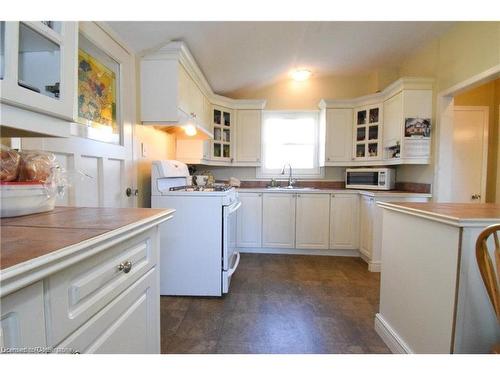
<point>125,266</point>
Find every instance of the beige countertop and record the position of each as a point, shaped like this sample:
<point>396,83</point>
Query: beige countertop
<point>460,214</point>
<point>28,237</point>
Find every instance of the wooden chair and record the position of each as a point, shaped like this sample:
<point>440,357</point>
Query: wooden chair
<point>490,278</point>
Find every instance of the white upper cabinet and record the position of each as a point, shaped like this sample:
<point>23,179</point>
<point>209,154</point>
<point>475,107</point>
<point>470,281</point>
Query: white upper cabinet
<point>312,221</point>
<point>368,132</point>
<point>407,121</point>
<point>248,136</point>
<point>169,93</point>
<point>278,220</point>
<point>336,133</point>
<point>249,220</point>
<point>344,218</point>
<point>38,73</point>
<point>390,127</point>
<point>223,127</point>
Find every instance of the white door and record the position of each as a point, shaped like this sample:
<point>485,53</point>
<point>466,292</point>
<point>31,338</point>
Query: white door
<point>366,226</point>
<point>99,172</point>
<point>248,130</point>
<point>278,220</point>
<point>470,151</point>
<point>312,221</point>
<point>249,220</point>
<point>339,134</point>
<point>344,217</point>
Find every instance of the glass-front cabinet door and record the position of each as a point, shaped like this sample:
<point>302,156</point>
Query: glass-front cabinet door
<point>367,132</point>
<point>38,66</point>
<point>223,127</point>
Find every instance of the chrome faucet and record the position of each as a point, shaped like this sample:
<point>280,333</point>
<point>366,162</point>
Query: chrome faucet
<point>291,181</point>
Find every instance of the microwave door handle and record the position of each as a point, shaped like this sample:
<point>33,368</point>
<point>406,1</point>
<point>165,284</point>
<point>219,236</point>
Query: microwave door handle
<point>234,207</point>
<point>233,269</point>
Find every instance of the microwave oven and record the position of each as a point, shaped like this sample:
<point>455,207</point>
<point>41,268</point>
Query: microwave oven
<point>370,178</point>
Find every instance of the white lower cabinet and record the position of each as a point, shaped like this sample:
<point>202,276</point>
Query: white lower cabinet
<point>105,302</point>
<point>344,219</point>
<point>278,220</point>
<point>128,325</point>
<point>249,220</point>
<point>22,318</point>
<point>366,226</point>
<point>312,221</point>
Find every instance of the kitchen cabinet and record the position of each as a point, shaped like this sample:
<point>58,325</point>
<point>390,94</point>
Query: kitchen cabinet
<point>248,136</point>
<point>98,293</point>
<point>312,221</point>
<point>278,220</point>
<point>368,132</point>
<point>223,127</point>
<point>344,221</point>
<point>38,77</point>
<point>336,135</point>
<point>110,330</point>
<point>366,226</point>
<point>22,320</point>
<point>249,220</point>
<point>169,94</point>
<point>408,144</point>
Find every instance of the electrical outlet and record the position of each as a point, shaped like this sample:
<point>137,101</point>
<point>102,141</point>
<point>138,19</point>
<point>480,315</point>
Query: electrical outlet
<point>143,150</point>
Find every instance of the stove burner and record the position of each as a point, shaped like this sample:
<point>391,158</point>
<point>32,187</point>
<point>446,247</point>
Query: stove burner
<point>201,188</point>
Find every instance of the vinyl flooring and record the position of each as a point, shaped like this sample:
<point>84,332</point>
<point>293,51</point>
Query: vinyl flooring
<point>280,304</point>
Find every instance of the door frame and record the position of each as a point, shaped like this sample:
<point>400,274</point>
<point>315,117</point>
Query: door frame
<point>444,115</point>
<point>484,164</point>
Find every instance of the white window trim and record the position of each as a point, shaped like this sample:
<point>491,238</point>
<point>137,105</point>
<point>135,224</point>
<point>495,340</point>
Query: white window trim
<point>296,173</point>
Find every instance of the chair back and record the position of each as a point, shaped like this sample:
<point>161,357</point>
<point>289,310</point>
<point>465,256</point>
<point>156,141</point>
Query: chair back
<point>491,277</point>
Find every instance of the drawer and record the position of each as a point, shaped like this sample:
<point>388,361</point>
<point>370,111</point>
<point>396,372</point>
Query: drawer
<point>78,292</point>
<point>128,324</point>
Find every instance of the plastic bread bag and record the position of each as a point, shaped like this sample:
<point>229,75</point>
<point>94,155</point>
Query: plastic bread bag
<point>9,164</point>
<point>43,168</point>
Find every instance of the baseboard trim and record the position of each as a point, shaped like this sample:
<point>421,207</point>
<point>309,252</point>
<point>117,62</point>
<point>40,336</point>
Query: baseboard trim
<point>374,266</point>
<point>330,252</point>
<point>390,337</point>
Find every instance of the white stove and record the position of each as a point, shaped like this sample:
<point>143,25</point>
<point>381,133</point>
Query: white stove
<point>198,254</point>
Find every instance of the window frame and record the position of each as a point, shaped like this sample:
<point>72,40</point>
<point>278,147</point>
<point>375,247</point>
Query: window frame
<point>311,173</point>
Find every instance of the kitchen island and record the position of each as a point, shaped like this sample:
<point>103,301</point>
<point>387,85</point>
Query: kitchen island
<point>81,280</point>
<point>432,297</point>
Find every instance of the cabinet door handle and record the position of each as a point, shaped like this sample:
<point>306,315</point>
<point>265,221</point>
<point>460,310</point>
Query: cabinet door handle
<point>333,195</point>
<point>125,266</point>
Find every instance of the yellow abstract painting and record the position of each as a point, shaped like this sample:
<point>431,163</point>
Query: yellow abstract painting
<point>96,93</point>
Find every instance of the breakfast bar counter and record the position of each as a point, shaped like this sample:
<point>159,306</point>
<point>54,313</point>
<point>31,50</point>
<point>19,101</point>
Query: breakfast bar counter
<point>432,297</point>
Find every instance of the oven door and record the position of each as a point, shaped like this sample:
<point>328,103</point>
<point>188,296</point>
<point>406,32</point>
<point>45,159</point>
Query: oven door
<point>230,255</point>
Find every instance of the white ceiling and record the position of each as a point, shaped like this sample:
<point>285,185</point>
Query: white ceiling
<point>237,55</point>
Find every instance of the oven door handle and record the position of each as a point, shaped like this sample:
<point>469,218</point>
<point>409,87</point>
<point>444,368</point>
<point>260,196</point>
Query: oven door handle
<point>234,207</point>
<point>233,269</point>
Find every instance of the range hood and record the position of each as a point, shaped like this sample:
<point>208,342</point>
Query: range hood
<point>187,127</point>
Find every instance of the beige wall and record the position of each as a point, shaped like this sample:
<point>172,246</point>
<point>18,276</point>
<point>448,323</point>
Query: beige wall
<point>485,95</point>
<point>288,94</point>
<point>467,49</point>
<point>159,145</point>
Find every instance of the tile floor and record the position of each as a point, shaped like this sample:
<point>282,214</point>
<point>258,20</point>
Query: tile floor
<point>280,304</point>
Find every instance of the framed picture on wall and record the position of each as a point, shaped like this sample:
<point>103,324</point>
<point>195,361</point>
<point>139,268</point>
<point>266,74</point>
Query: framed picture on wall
<point>98,93</point>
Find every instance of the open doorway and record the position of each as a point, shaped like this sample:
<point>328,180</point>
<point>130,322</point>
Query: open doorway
<point>468,164</point>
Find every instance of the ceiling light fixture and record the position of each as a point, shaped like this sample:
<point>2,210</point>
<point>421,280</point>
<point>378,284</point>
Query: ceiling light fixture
<point>301,74</point>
